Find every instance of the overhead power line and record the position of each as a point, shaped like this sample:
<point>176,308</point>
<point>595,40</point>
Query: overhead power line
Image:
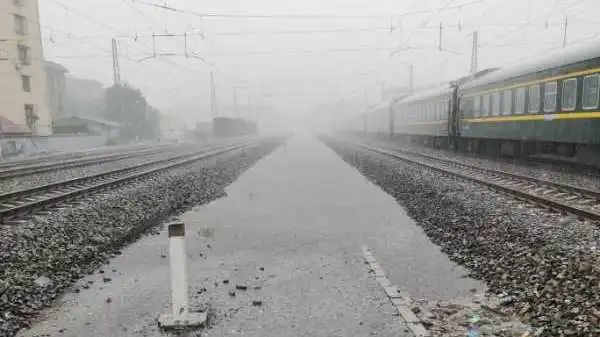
<point>110,27</point>
<point>301,16</point>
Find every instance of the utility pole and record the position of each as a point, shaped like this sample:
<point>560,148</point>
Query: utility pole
<point>235,99</point>
<point>565,24</point>
<point>474,52</point>
<point>116,69</point>
<point>213,96</point>
<point>382,86</point>
<point>411,79</point>
<point>440,44</point>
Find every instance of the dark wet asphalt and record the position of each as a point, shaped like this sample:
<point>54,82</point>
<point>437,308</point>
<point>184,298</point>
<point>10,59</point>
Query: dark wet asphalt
<point>302,215</point>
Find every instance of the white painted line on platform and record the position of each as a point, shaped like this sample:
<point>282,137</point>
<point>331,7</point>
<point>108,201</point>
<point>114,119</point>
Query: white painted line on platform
<point>399,299</point>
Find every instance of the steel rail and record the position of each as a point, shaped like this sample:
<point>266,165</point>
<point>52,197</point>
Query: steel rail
<point>579,201</point>
<point>24,170</point>
<point>58,157</point>
<point>25,201</point>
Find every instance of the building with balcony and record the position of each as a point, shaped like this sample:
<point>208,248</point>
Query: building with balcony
<point>23,97</point>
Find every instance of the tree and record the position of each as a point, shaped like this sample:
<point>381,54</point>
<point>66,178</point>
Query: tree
<point>127,106</point>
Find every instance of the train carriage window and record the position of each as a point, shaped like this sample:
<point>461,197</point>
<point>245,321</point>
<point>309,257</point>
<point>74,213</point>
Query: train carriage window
<point>534,99</point>
<point>590,91</point>
<point>506,102</point>
<point>550,96</point>
<point>519,100</point>
<point>476,106</point>
<point>431,111</point>
<point>466,106</point>
<point>569,94</point>
<point>485,105</point>
<point>444,112</point>
<point>495,103</point>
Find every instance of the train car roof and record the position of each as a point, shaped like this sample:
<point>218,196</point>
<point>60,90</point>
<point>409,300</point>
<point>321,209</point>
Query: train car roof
<point>441,90</point>
<point>556,59</point>
<point>377,106</point>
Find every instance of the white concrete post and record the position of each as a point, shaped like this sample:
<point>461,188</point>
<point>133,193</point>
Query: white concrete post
<point>177,262</point>
<point>180,316</point>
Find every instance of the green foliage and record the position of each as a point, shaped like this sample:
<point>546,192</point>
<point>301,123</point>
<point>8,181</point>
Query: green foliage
<point>127,106</point>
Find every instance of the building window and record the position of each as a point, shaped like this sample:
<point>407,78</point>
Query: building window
<point>550,96</point>
<point>519,100</point>
<point>30,117</point>
<point>26,83</point>
<point>506,102</point>
<point>569,94</point>
<point>23,54</point>
<point>590,91</point>
<point>20,24</point>
<point>485,105</point>
<point>477,106</point>
<point>534,99</point>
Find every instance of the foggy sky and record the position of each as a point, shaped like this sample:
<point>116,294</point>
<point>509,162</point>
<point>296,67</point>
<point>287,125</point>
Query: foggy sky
<point>268,60</point>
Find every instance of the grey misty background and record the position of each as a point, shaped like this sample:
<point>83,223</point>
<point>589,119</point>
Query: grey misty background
<point>292,72</point>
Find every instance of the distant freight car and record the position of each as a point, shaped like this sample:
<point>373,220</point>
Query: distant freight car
<point>233,127</point>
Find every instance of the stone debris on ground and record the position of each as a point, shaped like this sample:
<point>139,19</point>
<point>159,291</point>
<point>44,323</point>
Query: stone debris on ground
<point>551,271</point>
<point>477,316</point>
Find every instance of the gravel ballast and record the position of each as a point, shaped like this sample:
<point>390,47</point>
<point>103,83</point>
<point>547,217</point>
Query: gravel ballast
<point>42,257</point>
<point>545,265</point>
<point>559,173</point>
<point>37,179</point>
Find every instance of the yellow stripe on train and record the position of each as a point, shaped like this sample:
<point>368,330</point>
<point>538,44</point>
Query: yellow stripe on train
<point>549,117</point>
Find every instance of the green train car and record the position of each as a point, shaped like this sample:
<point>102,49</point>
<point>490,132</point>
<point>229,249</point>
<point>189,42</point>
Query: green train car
<point>550,105</point>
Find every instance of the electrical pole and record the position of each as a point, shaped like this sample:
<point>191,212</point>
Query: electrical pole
<point>116,69</point>
<point>474,53</point>
<point>411,79</point>
<point>382,85</point>
<point>565,24</point>
<point>440,44</point>
<point>213,96</point>
<point>235,98</point>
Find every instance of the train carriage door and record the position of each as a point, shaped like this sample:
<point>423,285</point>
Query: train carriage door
<point>391,118</point>
<point>453,115</point>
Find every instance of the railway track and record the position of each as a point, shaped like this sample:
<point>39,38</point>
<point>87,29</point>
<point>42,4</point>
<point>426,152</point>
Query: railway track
<point>6,164</point>
<point>26,201</point>
<point>582,202</point>
<point>17,170</point>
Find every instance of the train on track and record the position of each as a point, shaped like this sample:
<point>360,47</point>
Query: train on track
<point>543,106</point>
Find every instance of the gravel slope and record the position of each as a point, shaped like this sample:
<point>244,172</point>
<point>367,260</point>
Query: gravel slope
<point>557,173</point>
<point>548,265</point>
<point>41,258</point>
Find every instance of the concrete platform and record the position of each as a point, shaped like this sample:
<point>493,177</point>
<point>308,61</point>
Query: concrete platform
<point>290,230</point>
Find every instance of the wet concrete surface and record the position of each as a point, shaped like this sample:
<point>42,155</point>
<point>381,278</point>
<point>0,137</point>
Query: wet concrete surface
<point>291,231</point>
